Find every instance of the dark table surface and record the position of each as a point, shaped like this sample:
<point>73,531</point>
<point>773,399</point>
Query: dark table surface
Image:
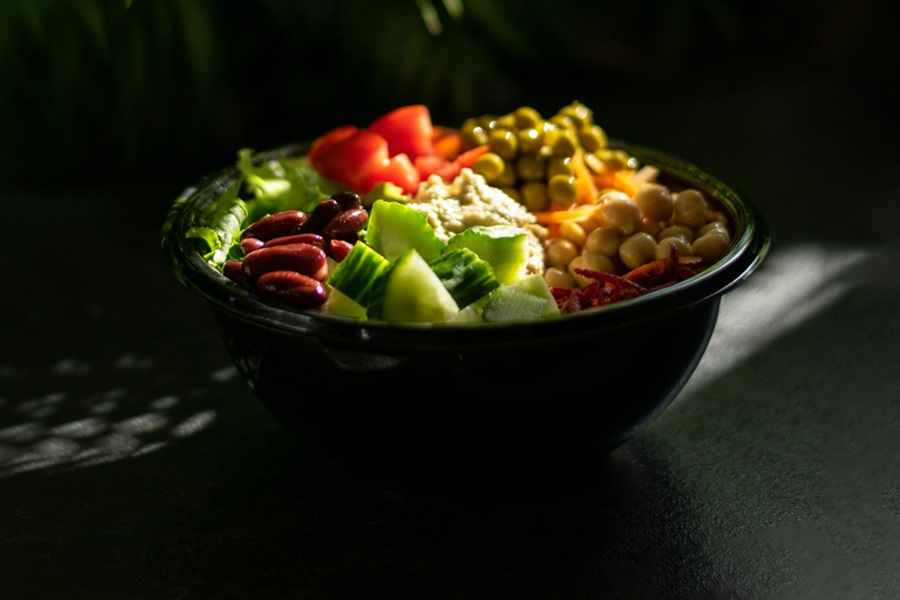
<point>134,463</point>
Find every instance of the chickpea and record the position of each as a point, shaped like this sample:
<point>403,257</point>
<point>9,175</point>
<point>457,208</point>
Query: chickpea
<point>588,222</point>
<point>560,252</point>
<point>558,277</point>
<point>712,246</point>
<point>597,262</point>
<point>685,233</point>
<point>580,280</point>
<point>713,226</point>
<point>637,250</point>
<point>655,201</point>
<point>603,241</point>
<point>650,226</point>
<point>690,208</point>
<point>682,247</point>
<point>608,195</point>
<point>622,215</point>
<point>573,232</point>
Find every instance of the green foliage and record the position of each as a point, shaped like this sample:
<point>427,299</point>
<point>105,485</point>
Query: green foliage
<point>101,87</point>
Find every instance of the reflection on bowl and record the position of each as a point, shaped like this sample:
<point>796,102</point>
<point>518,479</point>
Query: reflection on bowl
<point>530,399</point>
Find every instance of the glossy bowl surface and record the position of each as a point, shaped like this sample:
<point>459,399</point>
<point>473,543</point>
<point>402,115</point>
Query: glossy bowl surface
<point>529,399</point>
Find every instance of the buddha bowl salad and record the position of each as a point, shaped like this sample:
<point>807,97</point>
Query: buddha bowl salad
<point>504,218</point>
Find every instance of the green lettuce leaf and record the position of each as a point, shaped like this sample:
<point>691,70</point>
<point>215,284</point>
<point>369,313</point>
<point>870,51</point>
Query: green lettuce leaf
<point>220,225</point>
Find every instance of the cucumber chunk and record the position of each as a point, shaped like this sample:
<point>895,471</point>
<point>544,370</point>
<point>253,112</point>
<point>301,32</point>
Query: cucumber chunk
<point>356,274</point>
<point>505,247</point>
<point>526,298</point>
<point>394,228</point>
<point>466,276</point>
<point>469,314</point>
<point>410,292</point>
<point>341,304</point>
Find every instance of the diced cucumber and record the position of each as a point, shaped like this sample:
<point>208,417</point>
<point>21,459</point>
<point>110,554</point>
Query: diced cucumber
<point>341,304</point>
<point>394,228</point>
<point>469,314</point>
<point>525,298</point>
<point>356,274</point>
<point>505,247</point>
<point>466,276</point>
<point>410,292</point>
<point>386,190</point>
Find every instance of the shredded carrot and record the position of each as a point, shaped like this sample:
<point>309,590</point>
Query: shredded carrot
<point>624,181</point>
<point>587,191</point>
<point>562,214</point>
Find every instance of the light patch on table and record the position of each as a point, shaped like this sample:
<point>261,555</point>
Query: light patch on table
<point>793,285</point>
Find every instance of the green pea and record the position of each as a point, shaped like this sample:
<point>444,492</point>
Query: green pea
<point>534,196</point>
<point>527,118</point>
<point>503,142</point>
<point>530,167</point>
<point>488,121</point>
<point>508,177</point>
<point>580,114</point>
<point>473,134</point>
<point>565,144</point>
<point>507,121</point>
<point>563,122</point>
<point>529,139</point>
<point>490,166</point>
<point>562,190</point>
<point>560,165</point>
<point>592,137</point>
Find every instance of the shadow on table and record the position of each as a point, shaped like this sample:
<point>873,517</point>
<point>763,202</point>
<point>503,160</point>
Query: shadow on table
<point>267,517</point>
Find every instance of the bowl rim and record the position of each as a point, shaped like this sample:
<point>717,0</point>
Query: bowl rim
<point>749,247</point>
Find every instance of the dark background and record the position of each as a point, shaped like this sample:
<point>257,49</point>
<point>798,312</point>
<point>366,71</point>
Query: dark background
<point>93,90</point>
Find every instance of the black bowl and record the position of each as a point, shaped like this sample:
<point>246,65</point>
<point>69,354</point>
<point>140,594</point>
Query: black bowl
<point>479,403</point>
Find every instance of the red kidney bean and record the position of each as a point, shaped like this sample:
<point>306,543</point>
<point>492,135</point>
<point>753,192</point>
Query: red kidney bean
<point>250,244</point>
<point>291,288</point>
<point>303,258</point>
<point>339,249</point>
<point>347,200</point>
<point>232,270</point>
<point>313,239</point>
<point>321,214</point>
<point>280,224</point>
<point>346,224</point>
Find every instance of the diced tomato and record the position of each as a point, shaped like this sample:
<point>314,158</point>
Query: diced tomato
<point>398,169</point>
<point>353,159</point>
<point>467,159</point>
<point>434,164</point>
<point>407,129</point>
<point>323,144</point>
<point>447,142</point>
